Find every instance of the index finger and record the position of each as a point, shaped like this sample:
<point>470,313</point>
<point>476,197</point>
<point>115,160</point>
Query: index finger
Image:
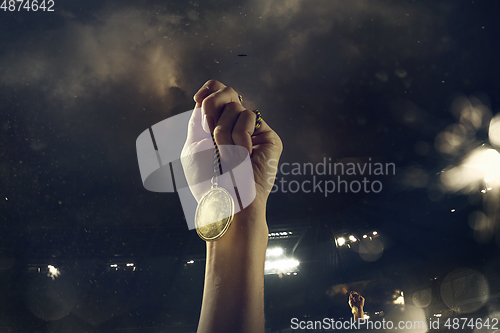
<point>207,89</point>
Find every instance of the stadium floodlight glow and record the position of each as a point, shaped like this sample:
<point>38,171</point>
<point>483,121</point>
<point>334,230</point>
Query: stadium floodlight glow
<point>375,233</point>
<point>400,300</point>
<point>274,252</point>
<point>352,238</point>
<point>281,266</point>
<point>53,272</point>
<point>130,264</point>
<point>341,241</point>
<point>365,236</point>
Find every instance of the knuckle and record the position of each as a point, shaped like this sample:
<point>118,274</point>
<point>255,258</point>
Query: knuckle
<point>207,86</point>
<point>248,113</point>
<point>219,131</point>
<point>230,91</point>
<point>209,102</point>
<point>198,98</point>
<point>210,83</point>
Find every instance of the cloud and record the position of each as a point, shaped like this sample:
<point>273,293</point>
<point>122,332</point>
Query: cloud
<point>298,52</point>
<point>126,46</point>
<point>156,49</point>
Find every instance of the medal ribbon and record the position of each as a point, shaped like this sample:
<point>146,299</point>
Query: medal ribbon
<point>217,162</point>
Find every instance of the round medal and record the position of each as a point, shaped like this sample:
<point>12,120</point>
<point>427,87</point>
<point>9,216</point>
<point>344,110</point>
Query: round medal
<point>214,214</point>
<point>215,210</point>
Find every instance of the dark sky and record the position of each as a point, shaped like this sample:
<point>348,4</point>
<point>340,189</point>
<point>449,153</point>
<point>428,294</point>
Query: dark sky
<point>346,81</point>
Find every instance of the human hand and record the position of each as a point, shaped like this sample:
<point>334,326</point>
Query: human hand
<point>219,111</point>
<point>356,302</point>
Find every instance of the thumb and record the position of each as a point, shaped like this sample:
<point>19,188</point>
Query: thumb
<point>195,129</point>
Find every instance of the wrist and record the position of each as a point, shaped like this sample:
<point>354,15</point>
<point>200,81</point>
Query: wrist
<point>248,231</point>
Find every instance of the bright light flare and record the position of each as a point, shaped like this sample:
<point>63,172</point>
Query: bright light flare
<point>352,238</point>
<point>399,300</point>
<point>482,165</point>
<point>341,241</point>
<point>278,263</point>
<point>53,272</point>
<point>274,252</point>
<point>285,265</point>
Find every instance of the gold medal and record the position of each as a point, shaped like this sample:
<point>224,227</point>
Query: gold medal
<point>214,214</point>
<point>215,210</point>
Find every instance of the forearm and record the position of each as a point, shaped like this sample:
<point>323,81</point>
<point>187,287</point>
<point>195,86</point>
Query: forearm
<point>233,297</point>
<point>359,315</point>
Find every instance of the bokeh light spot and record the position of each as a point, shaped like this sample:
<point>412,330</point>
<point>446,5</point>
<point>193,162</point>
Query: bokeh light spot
<point>371,249</point>
<point>422,298</point>
<point>464,290</point>
<point>50,299</point>
<point>494,131</point>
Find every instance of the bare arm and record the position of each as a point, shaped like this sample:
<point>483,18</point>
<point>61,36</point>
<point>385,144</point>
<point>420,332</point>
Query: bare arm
<point>233,297</point>
<point>356,302</point>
